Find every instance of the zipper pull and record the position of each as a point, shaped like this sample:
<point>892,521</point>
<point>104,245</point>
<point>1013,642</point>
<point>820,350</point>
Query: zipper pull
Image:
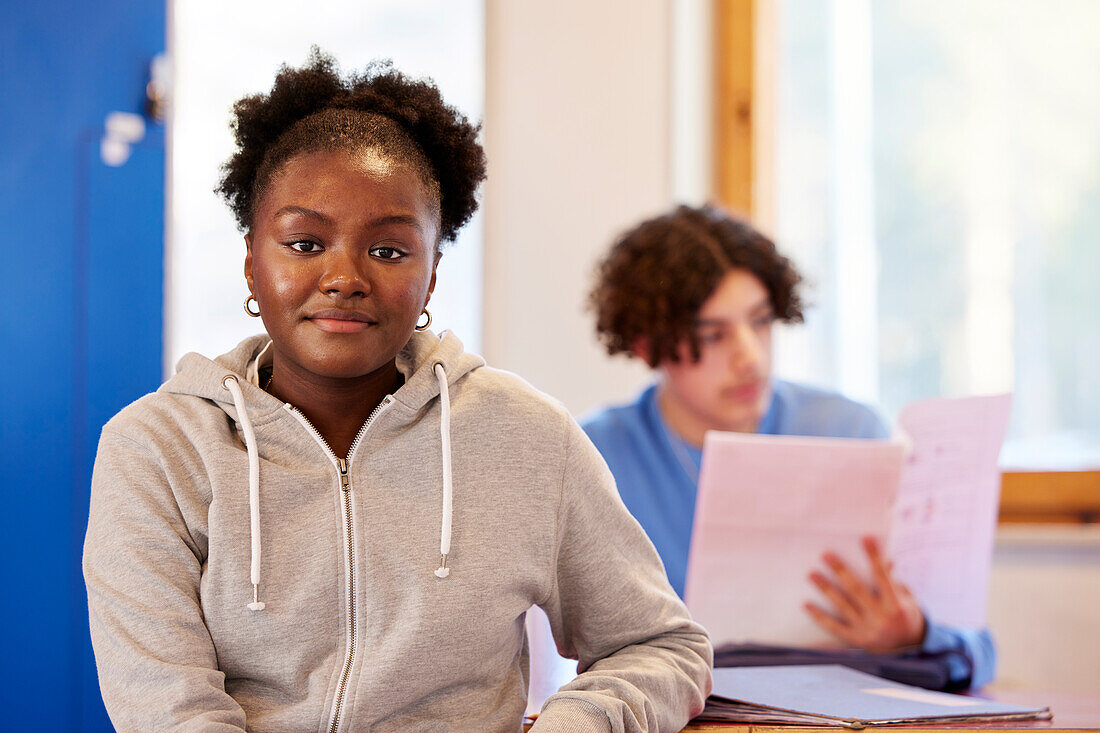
<point>345,480</point>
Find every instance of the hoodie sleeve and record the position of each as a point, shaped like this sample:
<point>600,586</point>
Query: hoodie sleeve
<point>157,666</point>
<point>644,664</point>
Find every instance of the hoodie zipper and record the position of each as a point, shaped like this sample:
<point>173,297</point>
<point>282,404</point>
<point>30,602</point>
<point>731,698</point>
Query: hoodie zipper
<point>343,469</point>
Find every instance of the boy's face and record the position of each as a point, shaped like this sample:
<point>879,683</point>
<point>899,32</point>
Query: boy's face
<point>729,388</point>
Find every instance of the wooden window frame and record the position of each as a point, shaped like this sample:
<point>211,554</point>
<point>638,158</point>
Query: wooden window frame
<point>1050,497</point>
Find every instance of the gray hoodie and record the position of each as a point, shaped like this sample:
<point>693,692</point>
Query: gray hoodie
<point>241,575</point>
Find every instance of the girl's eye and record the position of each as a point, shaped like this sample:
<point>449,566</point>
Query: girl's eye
<point>305,246</point>
<point>386,253</point>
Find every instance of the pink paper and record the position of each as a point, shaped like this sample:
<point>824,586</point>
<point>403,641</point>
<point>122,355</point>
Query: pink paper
<point>950,488</point>
<point>768,507</point>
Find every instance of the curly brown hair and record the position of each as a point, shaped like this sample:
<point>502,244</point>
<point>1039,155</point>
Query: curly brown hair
<point>657,276</point>
<point>313,109</point>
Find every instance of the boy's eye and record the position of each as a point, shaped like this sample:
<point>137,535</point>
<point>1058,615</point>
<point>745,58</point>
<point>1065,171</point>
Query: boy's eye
<point>763,321</point>
<point>386,253</point>
<point>709,337</point>
<point>305,246</point>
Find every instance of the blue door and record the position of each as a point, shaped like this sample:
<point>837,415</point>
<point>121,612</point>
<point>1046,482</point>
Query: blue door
<point>82,331</point>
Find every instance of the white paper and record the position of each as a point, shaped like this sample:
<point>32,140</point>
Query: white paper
<point>769,507</point>
<point>949,492</point>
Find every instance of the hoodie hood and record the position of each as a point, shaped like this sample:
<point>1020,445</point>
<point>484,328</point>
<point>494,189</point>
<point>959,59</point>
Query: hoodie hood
<point>429,364</point>
<point>199,376</point>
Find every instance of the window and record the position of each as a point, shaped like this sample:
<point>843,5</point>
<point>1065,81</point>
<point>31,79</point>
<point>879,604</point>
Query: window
<point>937,169</point>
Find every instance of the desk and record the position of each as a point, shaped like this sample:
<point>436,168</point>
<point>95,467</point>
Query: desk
<point>1072,714</point>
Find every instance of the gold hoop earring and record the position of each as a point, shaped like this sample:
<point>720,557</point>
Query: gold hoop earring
<point>418,327</point>
<point>248,310</point>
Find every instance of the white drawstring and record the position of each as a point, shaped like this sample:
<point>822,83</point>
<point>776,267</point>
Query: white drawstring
<point>230,383</point>
<point>445,436</point>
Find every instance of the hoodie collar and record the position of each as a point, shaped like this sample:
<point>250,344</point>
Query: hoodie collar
<point>202,377</point>
<point>264,360</point>
<point>417,361</point>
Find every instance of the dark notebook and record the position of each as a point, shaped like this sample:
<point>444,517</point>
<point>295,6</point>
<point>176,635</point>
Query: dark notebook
<point>930,671</point>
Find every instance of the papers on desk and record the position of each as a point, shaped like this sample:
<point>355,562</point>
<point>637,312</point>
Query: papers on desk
<point>768,507</point>
<point>835,695</point>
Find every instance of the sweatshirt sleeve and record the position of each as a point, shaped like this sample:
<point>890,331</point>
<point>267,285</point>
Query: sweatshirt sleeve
<point>644,664</point>
<point>157,665</point>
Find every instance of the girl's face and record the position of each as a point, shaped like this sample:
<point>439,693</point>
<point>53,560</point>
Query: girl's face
<point>341,259</point>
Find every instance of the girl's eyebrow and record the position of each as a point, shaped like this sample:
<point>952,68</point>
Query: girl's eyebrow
<point>405,219</point>
<point>301,211</point>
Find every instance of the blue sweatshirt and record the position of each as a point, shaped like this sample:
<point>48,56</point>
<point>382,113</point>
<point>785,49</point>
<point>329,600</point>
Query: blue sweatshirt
<point>657,472</point>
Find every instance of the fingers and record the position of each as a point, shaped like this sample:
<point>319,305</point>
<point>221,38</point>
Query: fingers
<point>861,595</point>
<point>845,608</point>
<point>880,616</point>
<point>885,584</point>
<point>831,624</point>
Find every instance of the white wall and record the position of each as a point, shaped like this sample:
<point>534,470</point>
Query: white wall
<point>577,134</point>
<point>1043,601</point>
<point>596,116</point>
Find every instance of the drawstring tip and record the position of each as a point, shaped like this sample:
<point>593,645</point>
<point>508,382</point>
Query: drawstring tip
<point>257,604</point>
<point>442,571</point>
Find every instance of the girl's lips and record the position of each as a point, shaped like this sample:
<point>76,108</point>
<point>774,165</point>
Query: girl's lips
<point>340,325</point>
<point>335,320</point>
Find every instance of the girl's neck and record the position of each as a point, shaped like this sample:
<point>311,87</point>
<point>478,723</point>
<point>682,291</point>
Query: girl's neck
<point>337,407</point>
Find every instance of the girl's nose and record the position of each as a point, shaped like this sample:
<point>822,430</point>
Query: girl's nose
<point>343,276</point>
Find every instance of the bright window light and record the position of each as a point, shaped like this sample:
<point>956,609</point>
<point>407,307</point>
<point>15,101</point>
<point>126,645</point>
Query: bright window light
<point>938,181</point>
